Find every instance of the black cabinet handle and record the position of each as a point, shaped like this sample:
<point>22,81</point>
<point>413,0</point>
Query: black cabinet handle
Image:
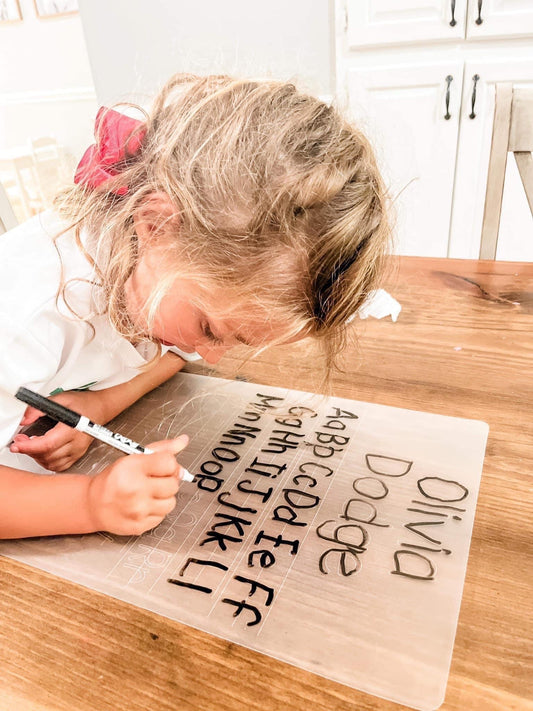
<point>475,79</point>
<point>479,20</point>
<point>449,80</point>
<point>453,21</point>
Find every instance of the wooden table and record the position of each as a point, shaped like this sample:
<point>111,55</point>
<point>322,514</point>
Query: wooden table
<point>463,346</point>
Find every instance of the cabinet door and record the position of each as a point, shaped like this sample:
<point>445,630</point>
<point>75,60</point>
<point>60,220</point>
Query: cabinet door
<point>402,109</point>
<point>515,241</point>
<point>499,18</point>
<point>374,22</point>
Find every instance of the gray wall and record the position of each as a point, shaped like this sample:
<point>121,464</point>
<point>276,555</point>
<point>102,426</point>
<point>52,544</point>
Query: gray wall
<point>135,45</point>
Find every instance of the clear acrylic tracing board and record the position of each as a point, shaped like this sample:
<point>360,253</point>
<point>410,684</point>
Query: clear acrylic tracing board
<point>329,533</point>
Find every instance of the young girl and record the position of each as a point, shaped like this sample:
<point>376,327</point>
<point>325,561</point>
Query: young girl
<point>236,212</point>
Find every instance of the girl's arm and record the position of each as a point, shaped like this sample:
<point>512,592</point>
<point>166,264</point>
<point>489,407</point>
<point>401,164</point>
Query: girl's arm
<point>61,446</point>
<point>40,505</point>
<point>117,398</point>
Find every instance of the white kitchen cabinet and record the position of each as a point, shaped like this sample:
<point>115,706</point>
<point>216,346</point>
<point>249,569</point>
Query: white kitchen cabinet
<point>377,22</point>
<point>393,79</point>
<point>380,22</point>
<point>499,19</point>
<point>402,109</point>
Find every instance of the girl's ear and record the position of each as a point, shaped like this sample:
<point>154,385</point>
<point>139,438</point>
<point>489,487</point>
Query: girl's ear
<point>155,217</point>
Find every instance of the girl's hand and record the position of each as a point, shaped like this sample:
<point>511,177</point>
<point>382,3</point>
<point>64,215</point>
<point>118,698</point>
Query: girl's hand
<point>61,446</point>
<point>135,493</point>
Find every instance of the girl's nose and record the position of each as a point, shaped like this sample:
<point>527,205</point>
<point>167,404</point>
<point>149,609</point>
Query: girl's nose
<point>211,354</point>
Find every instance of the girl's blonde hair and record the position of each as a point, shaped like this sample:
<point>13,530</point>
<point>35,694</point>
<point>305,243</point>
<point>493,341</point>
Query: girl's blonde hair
<point>278,200</point>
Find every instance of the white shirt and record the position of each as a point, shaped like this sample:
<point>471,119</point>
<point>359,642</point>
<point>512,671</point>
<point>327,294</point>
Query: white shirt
<point>43,345</point>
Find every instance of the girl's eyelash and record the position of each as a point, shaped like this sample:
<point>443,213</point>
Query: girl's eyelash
<point>209,334</point>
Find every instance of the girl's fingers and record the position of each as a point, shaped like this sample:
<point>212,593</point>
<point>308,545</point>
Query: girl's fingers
<point>162,507</point>
<point>30,415</point>
<point>152,522</point>
<point>50,442</point>
<point>163,487</point>
<point>17,445</point>
<point>60,465</point>
<point>56,463</point>
<point>57,460</point>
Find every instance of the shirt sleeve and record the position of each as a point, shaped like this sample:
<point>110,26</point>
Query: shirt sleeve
<point>24,361</point>
<point>182,354</point>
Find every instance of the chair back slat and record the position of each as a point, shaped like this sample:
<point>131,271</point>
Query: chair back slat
<point>496,173</point>
<point>521,135</point>
<point>7,215</point>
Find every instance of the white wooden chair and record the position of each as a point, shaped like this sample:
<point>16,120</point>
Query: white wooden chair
<point>512,132</point>
<point>48,162</point>
<point>7,216</point>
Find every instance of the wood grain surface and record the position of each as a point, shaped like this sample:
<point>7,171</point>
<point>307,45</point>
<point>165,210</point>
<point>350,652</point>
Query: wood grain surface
<point>462,346</point>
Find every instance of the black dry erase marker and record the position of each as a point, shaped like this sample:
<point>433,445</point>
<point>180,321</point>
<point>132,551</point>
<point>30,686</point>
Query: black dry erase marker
<point>84,424</point>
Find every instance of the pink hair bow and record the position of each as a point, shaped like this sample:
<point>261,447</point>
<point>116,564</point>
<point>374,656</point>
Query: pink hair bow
<point>118,137</point>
